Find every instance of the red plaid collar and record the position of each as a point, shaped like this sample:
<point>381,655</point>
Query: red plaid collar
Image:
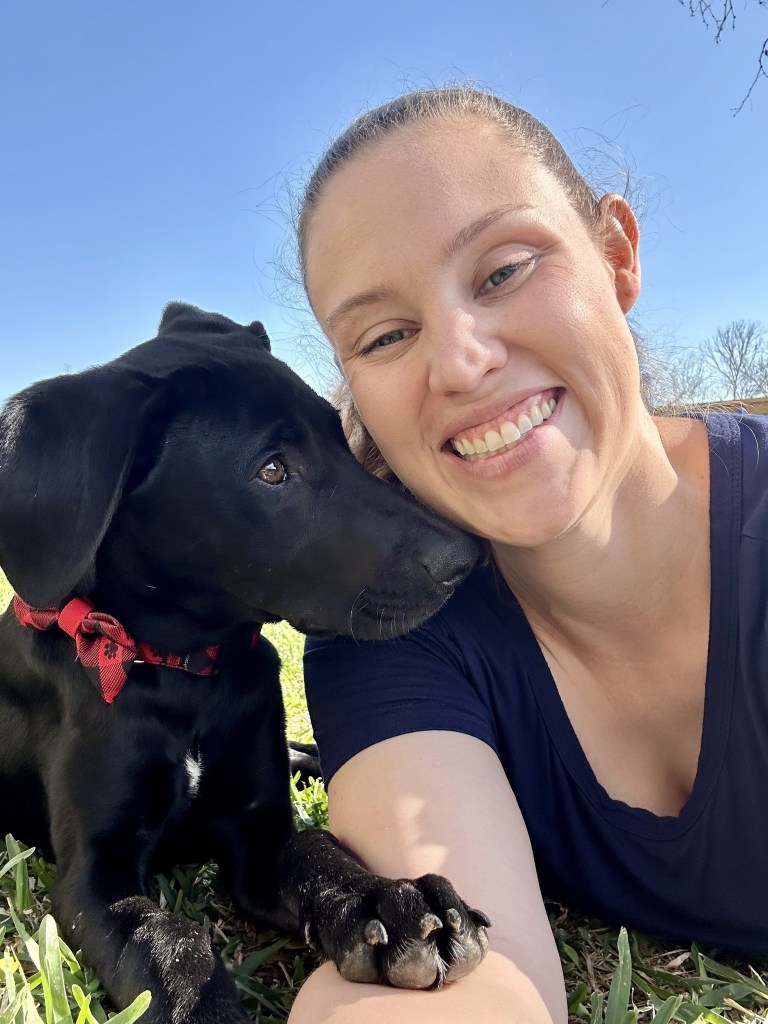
<point>103,647</point>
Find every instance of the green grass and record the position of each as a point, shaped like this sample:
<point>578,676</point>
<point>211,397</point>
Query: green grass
<point>612,977</point>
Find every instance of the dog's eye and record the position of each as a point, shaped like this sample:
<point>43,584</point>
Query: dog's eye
<point>273,472</point>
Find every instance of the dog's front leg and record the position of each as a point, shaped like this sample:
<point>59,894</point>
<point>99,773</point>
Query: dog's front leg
<point>99,898</point>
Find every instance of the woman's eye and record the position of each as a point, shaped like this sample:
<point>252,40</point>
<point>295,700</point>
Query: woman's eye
<point>502,274</point>
<point>273,472</point>
<point>384,340</point>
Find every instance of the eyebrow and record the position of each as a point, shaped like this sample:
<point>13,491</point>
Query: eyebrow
<point>461,239</point>
<point>366,298</point>
<point>477,227</point>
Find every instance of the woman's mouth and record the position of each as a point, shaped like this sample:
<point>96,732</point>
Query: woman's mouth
<point>506,431</point>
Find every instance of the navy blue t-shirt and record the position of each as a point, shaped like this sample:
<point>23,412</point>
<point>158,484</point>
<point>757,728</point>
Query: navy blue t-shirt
<point>477,668</point>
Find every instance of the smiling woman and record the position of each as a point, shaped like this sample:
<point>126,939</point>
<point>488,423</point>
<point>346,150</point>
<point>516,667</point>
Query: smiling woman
<point>578,716</point>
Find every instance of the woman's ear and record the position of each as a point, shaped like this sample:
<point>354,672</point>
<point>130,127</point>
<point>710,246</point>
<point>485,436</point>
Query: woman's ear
<point>621,246</point>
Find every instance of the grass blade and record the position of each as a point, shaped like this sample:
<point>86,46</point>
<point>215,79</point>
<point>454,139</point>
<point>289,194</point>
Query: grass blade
<point>134,1011</point>
<point>617,1006</point>
<point>18,864</point>
<point>667,1010</point>
<point>10,1015</point>
<point>52,975</point>
<point>596,1008</point>
<point>84,1002</point>
<point>255,960</point>
<point>29,942</point>
<point>16,856</point>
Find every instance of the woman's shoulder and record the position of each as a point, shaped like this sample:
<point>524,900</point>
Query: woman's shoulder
<point>728,438</point>
<point>738,442</point>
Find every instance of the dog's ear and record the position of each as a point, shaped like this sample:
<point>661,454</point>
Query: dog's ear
<point>260,335</point>
<point>66,446</point>
<point>174,312</point>
<point>183,318</point>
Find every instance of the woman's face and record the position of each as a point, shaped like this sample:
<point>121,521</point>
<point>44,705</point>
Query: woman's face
<point>480,327</point>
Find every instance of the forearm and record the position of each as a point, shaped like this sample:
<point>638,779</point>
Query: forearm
<point>440,802</point>
<point>497,992</point>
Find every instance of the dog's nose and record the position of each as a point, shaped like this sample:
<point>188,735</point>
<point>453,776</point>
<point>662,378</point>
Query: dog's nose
<point>449,564</point>
<point>448,583</point>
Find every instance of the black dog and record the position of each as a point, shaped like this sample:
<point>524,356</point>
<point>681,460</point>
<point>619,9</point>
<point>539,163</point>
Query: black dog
<point>182,495</point>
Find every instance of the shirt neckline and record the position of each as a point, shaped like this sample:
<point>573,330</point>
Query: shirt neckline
<point>725,519</point>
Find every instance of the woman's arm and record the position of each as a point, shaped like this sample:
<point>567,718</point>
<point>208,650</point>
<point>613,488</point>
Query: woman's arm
<point>439,801</point>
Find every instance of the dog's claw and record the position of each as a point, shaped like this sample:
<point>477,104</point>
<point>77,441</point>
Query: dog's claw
<point>453,919</point>
<point>430,923</point>
<point>375,933</point>
<point>309,936</point>
<point>479,919</point>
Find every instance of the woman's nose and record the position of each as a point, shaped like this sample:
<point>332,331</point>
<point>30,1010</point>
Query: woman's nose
<point>461,355</point>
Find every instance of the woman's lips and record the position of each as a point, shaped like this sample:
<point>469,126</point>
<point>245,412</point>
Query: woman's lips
<point>508,429</point>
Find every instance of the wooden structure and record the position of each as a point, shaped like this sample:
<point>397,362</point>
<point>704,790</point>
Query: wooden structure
<point>752,405</point>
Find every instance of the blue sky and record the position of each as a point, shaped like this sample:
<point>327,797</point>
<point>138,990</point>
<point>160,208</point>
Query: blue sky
<point>149,149</point>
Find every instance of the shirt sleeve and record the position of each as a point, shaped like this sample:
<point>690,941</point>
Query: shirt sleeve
<point>362,692</point>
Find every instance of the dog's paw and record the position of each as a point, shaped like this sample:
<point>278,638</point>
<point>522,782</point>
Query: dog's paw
<point>407,933</point>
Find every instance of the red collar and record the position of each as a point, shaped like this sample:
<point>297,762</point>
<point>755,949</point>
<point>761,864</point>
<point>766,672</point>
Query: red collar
<point>104,649</point>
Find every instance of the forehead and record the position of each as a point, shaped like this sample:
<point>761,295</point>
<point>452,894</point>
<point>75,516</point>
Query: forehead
<point>416,187</point>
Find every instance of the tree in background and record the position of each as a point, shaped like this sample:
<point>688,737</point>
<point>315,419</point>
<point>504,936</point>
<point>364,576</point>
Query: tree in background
<point>736,360</point>
<point>720,15</point>
<point>687,380</point>
<point>731,364</point>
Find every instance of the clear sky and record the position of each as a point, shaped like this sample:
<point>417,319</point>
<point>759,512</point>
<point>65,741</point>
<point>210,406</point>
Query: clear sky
<point>148,149</point>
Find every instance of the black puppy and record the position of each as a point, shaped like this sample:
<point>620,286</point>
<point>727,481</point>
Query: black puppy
<point>154,512</point>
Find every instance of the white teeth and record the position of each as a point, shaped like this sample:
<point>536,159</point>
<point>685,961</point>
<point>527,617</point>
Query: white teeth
<point>509,433</point>
<point>461,446</point>
<point>493,441</point>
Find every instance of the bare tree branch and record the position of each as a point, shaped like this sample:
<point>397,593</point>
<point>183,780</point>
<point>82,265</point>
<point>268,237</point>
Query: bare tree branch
<point>674,378</point>
<point>708,16</point>
<point>736,358</point>
<point>762,72</point>
<point>688,379</point>
<point>725,17</point>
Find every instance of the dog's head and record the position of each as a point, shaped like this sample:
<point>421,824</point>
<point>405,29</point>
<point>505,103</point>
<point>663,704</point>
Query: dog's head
<point>197,482</point>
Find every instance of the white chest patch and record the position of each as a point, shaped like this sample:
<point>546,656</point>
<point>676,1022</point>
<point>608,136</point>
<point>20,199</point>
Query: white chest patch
<point>194,767</point>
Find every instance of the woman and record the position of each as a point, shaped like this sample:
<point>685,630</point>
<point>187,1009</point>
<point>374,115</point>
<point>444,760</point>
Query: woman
<point>588,706</point>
